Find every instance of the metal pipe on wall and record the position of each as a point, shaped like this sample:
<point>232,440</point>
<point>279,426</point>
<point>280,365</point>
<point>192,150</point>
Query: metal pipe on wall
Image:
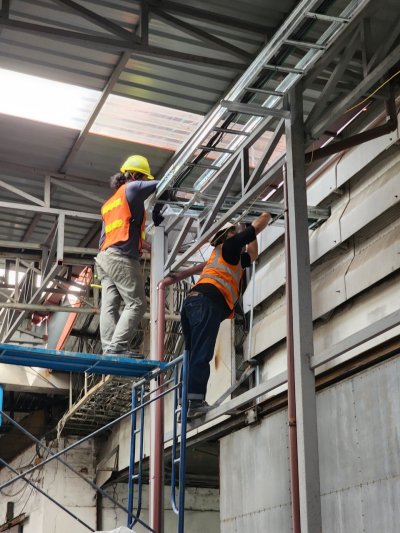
<point>293,452</point>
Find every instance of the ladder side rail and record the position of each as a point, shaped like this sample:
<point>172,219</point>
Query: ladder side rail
<point>141,457</point>
<point>174,457</point>
<point>132,455</point>
<point>182,461</point>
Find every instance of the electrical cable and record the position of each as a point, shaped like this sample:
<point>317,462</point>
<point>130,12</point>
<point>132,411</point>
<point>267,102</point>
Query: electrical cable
<point>374,92</point>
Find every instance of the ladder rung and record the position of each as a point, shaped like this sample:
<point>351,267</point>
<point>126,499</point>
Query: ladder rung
<point>265,91</point>
<point>215,149</point>
<point>328,18</point>
<point>255,110</point>
<point>233,132</point>
<point>135,476</point>
<point>176,461</point>
<point>304,44</point>
<point>202,165</point>
<point>279,68</point>
<point>136,431</point>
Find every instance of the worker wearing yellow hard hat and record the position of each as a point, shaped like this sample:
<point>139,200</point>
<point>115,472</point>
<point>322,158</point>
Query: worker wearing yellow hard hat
<point>121,241</point>
<point>137,163</point>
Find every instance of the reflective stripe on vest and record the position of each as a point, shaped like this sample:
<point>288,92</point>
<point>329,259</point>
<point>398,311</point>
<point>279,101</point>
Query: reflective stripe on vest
<point>117,217</point>
<point>224,276</point>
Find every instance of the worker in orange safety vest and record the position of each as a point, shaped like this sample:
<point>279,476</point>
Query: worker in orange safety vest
<point>117,264</point>
<point>212,299</point>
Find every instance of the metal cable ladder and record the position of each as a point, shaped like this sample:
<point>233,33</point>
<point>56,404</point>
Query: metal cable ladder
<point>269,96</point>
<point>104,402</point>
<point>291,75</point>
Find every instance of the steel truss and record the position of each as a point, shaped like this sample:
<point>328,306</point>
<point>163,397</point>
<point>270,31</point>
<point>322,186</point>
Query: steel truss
<point>325,66</point>
<point>150,372</point>
<point>46,261</point>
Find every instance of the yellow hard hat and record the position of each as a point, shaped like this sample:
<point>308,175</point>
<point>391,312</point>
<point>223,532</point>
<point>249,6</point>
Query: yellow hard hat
<point>137,163</point>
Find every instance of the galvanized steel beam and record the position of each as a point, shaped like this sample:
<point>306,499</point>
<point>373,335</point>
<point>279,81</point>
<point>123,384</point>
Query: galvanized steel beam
<point>250,195</point>
<point>118,69</point>
<point>202,14</point>
<point>343,104</point>
<point>216,42</point>
<point>179,241</point>
<point>221,195</point>
<point>303,344</point>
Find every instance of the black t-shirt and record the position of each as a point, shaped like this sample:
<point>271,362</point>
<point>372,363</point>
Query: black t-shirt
<point>232,254</point>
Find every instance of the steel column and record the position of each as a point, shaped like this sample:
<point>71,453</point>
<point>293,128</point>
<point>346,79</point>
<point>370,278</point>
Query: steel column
<point>292,421</point>
<point>308,464</point>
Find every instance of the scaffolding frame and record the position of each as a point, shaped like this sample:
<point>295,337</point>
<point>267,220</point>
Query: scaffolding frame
<point>148,372</point>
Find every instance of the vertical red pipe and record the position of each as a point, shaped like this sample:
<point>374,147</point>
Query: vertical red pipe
<point>157,476</point>
<point>293,454</point>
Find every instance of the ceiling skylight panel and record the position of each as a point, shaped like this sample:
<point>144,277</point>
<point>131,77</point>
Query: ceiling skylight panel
<point>43,100</point>
<point>145,123</point>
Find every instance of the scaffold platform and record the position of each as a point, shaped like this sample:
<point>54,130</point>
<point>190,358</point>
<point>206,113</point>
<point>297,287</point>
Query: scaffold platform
<point>77,362</point>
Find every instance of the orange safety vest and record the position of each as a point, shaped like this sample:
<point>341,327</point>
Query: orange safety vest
<point>224,276</point>
<point>117,216</point>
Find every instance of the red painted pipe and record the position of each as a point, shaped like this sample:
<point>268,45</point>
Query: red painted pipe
<point>293,453</point>
<point>156,475</point>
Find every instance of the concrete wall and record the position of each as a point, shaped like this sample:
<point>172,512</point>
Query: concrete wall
<point>64,486</point>
<point>60,483</point>
<point>201,511</point>
<point>355,249</point>
<point>359,457</point>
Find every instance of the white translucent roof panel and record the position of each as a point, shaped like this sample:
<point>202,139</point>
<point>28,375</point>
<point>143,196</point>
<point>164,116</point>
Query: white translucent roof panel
<point>46,101</point>
<point>70,106</point>
<point>145,123</point>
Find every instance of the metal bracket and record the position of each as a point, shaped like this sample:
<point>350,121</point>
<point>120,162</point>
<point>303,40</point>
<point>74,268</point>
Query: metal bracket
<point>251,416</point>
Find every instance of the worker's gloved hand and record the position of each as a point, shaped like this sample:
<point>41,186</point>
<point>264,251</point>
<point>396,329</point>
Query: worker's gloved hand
<point>156,215</point>
<point>167,195</point>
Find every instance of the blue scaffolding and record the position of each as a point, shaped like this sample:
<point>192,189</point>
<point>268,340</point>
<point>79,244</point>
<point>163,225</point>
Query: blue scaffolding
<point>170,378</point>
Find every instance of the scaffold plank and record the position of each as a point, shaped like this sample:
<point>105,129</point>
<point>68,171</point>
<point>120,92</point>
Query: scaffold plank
<point>77,362</point>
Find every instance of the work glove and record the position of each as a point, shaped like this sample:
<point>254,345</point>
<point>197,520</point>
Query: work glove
<point>156,215</point>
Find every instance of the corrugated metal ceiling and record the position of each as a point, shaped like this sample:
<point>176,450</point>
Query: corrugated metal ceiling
<point>178,69</point>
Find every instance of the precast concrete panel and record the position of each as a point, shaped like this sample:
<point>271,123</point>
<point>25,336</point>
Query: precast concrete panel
<point>377,192</point>
<point>354,160</point>
<point>359,454</point>
<point>374,259</point>
<point>255,478</point>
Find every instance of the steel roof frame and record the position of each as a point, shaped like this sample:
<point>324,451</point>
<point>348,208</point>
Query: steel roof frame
<point>319,121</point>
